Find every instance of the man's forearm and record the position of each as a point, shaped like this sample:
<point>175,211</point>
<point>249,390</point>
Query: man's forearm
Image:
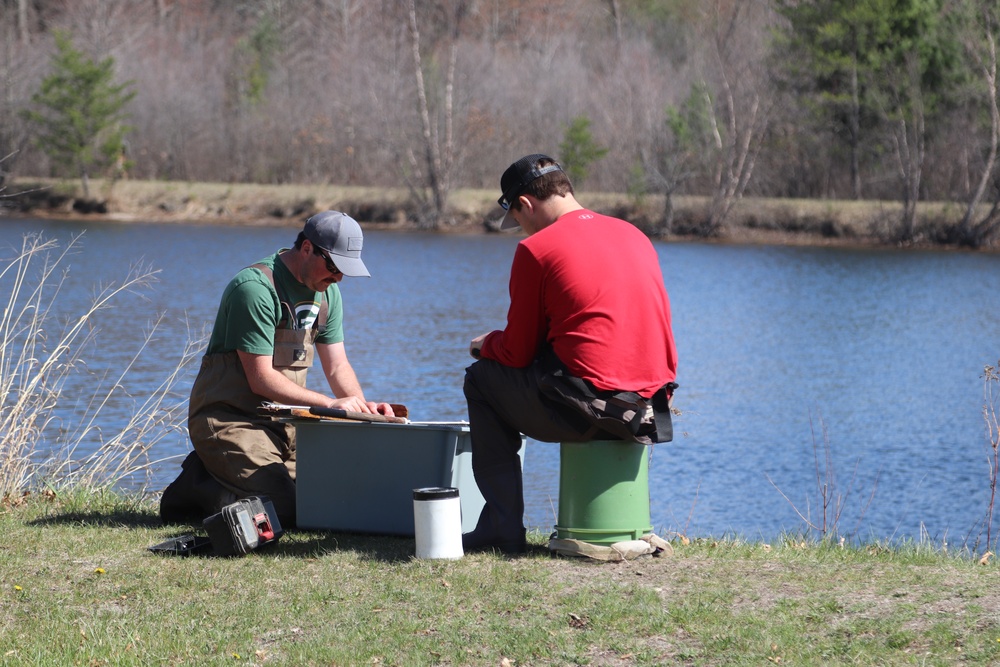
<point>278,388</point>
<point>343,382</point>
<point>273,385</point>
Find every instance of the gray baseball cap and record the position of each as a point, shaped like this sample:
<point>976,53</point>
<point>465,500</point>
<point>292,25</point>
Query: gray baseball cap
<point>339,235</point>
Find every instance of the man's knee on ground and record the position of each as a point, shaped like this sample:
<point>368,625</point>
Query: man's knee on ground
<point>194,495</point>
<point>197,494</point>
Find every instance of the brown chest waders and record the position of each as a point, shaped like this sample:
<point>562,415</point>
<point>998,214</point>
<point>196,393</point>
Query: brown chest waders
<point>237,452</point>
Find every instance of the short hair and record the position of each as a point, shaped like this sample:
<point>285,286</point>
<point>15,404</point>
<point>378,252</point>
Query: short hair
<point>299,239</point>
<point>547,185</point>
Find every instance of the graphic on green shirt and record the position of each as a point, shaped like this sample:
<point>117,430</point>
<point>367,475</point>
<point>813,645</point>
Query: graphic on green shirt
<point>305,314</point>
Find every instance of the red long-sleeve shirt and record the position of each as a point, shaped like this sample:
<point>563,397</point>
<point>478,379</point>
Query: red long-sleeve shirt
<point>591,286</point>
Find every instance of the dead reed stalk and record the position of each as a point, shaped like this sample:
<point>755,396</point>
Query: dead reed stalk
<point>40,351</point>
<point>991,396</point>
<point>831,499</point>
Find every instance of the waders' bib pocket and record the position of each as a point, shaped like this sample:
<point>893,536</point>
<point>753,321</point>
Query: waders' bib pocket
<point>293,348</point>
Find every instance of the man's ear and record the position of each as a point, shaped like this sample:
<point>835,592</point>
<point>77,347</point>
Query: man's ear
<point>527,204</point>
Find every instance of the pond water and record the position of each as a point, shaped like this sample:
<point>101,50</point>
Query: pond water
<point>795,363</point>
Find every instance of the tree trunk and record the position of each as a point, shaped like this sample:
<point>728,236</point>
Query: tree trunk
<point>909,142</point>
<point>616,17</point>
<point>667,226</point>
<point>436,167</point>
<point>741,86</point>
<point>971,233</point>
<point>855,129</point>
<point>909,135</point>
<point>22,21</point>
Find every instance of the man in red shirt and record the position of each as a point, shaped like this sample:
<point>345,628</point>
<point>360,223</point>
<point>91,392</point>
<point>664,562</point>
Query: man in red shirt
<point>588,351</point>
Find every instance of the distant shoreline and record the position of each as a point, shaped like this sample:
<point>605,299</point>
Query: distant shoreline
<point>753,221</point>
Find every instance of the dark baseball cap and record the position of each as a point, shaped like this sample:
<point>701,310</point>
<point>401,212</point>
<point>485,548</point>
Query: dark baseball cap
<point>340,237</point>
<point>517,177</point>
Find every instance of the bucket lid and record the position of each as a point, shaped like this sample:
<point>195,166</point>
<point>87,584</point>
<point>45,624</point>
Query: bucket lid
<point>435,493</point>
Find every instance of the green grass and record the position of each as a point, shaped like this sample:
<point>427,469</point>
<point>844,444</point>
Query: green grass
<point>78,586</point>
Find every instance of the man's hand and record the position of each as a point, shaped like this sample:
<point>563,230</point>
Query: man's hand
<point>383,409</point>
<point>356,404</point>
<point>352,403</point>
<point>476,345</point>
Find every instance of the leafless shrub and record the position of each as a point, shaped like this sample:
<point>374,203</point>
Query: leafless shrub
<point>36,366</point>
<point>991,398</point>
<point>831,499</point>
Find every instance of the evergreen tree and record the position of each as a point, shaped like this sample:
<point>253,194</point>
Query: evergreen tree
<point>827,53</point>
<point>879,71</point>
<point>79,112</point>
<point>578,149</point>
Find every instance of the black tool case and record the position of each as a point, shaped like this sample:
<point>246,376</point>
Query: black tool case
<point>243,526</point>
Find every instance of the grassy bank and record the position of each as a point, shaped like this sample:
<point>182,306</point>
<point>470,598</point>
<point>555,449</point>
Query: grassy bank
<point>79,587</point>
<point>753,220</point>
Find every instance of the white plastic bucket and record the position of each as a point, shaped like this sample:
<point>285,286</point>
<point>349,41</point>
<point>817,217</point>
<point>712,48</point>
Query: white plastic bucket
<point>437,522</point>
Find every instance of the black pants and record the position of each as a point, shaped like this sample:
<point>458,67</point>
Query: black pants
<point>505,402</point>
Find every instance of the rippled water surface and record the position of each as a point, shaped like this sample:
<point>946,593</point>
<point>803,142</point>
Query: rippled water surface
<point>873,357</point>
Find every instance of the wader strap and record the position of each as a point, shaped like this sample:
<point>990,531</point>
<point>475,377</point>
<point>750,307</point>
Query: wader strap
<point>287,318</point>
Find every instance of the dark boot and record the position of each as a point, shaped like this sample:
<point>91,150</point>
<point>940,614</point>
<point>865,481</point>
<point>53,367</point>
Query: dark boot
<point>194,495</point>
<point>501,523</point>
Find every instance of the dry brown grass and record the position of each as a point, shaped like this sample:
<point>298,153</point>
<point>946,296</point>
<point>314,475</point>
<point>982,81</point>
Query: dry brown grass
<point>41,350</point>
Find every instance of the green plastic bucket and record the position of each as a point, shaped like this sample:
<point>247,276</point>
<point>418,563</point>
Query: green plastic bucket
<point>603,491</point>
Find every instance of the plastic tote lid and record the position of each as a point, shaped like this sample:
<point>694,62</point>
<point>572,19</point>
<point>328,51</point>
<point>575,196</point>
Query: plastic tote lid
<point>435,493</point>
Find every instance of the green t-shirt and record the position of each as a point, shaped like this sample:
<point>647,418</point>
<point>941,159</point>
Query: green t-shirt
<point>250,311</point>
